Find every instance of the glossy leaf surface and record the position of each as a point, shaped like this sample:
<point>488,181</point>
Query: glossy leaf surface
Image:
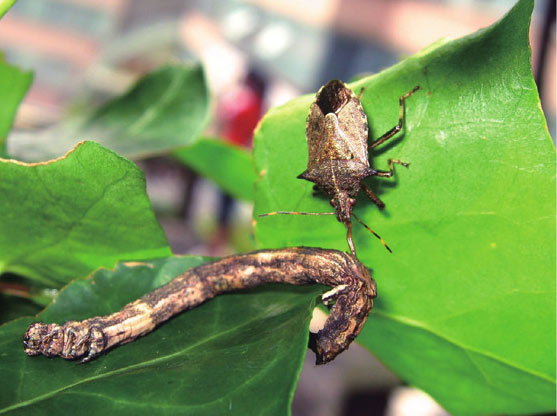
<point>64,218</point>
<point>466,304</point>
<point>237,354</point>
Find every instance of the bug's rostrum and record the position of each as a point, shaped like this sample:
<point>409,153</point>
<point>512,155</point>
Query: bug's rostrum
<point>353,292</point>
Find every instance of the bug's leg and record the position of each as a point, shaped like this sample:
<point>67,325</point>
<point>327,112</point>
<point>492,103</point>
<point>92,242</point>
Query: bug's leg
<point>349,238</point>
<point>373,197</point>
<point>268,214</point>
<point>315,190</point>
<point>391,171</point>
<point>361,93</point>
<point>373,232</point>
<point>398,127</point>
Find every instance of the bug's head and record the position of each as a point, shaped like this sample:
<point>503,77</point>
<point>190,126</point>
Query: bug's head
<point>42,338</point>
<point>343,204</point>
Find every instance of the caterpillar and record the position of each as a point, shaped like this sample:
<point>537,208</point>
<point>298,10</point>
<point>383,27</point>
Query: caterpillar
<point>350,301</point>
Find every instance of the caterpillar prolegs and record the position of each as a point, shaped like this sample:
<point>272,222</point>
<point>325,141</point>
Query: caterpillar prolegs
<point>351,298</point>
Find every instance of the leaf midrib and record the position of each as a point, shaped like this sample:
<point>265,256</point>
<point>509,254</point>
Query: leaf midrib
<point>132,367</point>
<point>153,111</point>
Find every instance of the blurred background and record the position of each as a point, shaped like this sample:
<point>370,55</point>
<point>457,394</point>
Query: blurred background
<point>257,54</point>
<point>93,49</point>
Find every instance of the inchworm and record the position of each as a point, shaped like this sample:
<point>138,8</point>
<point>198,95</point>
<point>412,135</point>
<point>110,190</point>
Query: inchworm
<point>352,294</point>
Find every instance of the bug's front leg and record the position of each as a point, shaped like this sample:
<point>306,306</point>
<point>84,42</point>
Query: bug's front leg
<point>398,127</point>
<point>376,200</point>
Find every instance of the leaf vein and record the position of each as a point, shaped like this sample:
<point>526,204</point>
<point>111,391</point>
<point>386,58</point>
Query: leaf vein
<point>466,348</point>
<point>132,367</point>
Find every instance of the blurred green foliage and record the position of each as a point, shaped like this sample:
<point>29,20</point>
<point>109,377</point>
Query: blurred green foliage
<point>14,83</point>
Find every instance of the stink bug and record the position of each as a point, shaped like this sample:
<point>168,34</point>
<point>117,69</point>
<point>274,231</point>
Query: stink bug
<point>337,136</point>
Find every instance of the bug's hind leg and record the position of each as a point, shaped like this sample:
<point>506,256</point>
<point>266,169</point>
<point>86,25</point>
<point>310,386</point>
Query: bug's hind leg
<point>391,171</point>
<point>398,127</point>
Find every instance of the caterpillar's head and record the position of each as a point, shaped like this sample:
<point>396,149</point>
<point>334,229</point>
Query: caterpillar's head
<point>41,338</point>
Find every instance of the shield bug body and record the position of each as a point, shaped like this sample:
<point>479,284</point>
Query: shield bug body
<point>337,137</point>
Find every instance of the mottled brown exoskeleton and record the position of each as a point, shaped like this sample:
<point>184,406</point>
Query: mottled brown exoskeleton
<point>337,137</point>
<point>350,300</point>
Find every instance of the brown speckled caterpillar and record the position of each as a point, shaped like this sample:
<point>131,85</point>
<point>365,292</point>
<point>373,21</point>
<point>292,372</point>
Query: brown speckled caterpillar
<point>353,292</point>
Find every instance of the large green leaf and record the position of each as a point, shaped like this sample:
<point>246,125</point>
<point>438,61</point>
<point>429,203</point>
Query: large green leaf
<point>230,167</point>
<point>14,83</point>
<point>166,109</point>
<point>466,304</point>
<point>64,218</point>
<point>236,354</point>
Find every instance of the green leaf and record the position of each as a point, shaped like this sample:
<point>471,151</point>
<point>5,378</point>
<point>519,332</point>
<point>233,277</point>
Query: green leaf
<point>166,109</point>
<point>236,354</point>
<point>5,6</point>
<point>230,167</point>
<point>466,304</point>
<point>14,83</point>
<point>64,218</point>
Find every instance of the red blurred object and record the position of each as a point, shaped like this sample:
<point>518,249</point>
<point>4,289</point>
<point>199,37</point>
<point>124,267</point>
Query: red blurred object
<point>240,110</point>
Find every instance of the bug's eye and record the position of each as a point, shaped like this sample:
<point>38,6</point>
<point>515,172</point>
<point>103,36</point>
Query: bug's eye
<point>332,201</point>
<point>352,201</point>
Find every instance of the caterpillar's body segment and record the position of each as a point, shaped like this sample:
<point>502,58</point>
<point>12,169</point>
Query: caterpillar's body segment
<point>353,293</point>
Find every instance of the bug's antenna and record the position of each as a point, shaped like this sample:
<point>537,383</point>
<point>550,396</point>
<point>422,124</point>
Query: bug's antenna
<point>294,213</point>
<point>373,232</point>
